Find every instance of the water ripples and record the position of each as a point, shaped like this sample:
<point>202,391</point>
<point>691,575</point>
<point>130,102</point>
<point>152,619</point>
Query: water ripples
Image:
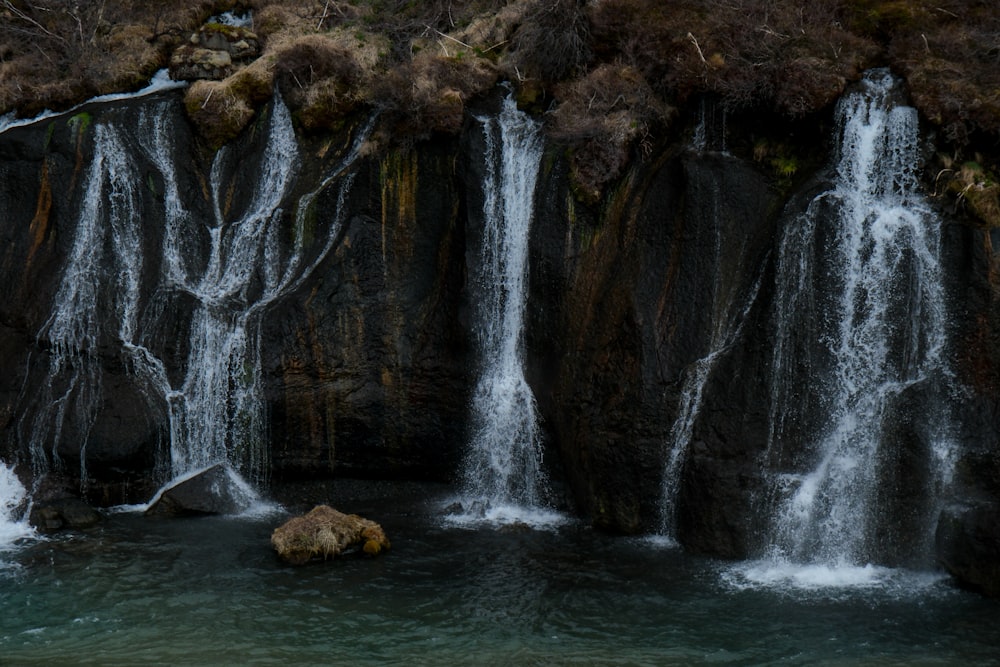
<point>210,591</point>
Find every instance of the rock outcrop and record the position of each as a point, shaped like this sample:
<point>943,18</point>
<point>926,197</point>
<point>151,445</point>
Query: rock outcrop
<point>215,490</point>
<point>968,546</point>
<point>214,52</point>
<point>324,533</point>
<point>53,515</point>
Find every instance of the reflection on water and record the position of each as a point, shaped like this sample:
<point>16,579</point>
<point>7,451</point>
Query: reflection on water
<point>211,591</point>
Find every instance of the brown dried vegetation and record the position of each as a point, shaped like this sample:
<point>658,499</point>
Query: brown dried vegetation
<point>324,533</point>
<point>54,53</point>
<point>603,116</point>
<point>609,71</point>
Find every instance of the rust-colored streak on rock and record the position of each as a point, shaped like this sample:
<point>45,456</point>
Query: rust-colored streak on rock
<point>40,222</point>
<point>398,175</point>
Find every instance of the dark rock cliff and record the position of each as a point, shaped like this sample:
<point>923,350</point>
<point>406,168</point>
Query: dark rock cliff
<point>367,365</point>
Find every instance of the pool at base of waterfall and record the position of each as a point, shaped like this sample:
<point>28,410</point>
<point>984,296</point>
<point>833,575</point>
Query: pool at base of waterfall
<point>211,591</point>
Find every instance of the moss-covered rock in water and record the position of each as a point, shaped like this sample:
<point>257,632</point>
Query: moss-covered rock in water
<point>323,533</point>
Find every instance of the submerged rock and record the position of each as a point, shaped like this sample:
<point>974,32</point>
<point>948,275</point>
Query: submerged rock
<point>53,515</point>
<point>968,546</point>
<point>215,490</point>
<point>325,532</point>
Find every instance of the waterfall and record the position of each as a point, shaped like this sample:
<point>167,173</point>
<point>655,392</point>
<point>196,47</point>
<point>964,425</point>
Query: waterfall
<point>224,343</point>
<point>503,464</point>
<point>710,129</point>
<point>224,269</point>
<point>13,497</point>
<point>72,387</point>
<point>725,334</point>
<point>860,322</point>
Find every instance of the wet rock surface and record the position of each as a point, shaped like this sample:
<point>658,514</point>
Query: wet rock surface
<point>368,365</point>
<point>212,491</point>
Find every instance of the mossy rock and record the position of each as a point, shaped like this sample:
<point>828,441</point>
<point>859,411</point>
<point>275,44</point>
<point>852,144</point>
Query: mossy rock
<point>323,533</point>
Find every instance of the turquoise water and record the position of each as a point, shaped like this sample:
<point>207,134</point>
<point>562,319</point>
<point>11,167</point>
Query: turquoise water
<point>210,591</point>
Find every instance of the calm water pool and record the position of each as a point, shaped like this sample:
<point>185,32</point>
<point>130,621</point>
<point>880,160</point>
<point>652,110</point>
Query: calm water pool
<point>210,591</point>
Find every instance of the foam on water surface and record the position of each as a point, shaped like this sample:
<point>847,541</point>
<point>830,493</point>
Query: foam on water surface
<point>828,578</point>
<point>14,526</point>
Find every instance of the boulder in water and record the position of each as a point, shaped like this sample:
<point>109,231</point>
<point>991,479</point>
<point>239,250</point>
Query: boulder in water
<point>52,515</point>
<point>325,532</point>
<point>968,546</point>
<point>214,490</point>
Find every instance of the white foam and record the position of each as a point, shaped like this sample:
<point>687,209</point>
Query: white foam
<point>784,576</point>
<point>475,515</point>
<point>160,82</point>
<point>246,495</point>
<point>234,20</point>
<point>661,542</point>
<point>12,497</point>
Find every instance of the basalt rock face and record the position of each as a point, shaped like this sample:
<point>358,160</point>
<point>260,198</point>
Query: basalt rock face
<point>631,297</point>
<point>968,535</point>
<point>367,363</point>
<point>363,356</point>
<point>369,373</point>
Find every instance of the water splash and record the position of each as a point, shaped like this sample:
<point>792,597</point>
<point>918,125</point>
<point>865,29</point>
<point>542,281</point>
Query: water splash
<point>503,464</point>
<point>878,301</point>
<point>13,498</point>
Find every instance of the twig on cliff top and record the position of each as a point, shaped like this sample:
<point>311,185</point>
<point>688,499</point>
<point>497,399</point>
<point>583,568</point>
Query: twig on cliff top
<point>457,41</point>
<point>698,48</point>
<point>326,13</point>
<point>24,17</point>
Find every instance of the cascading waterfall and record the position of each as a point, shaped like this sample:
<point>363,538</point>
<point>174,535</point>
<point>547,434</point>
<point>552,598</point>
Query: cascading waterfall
<point>13,496</point>
<point>859,271</point>
<point>224,344</point>
<point>72,387</point>
<point>216,412</point>
<point>503,464</point>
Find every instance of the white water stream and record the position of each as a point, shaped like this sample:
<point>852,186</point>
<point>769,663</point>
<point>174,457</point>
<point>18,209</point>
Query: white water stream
<point>503,463</point>
<point>231,267</point>
<point>13,498</point>
<point>882,325</point>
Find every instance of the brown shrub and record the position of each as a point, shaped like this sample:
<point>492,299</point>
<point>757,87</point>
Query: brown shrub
<point>428,94</point>
<point>218,113</point>
<point>553,40</point>
<point>324,533</point>
<point>747,52</point>
<point>951,60</point>
<point>314,58</point>
<point>59,52</point>
<point>603,115</point>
